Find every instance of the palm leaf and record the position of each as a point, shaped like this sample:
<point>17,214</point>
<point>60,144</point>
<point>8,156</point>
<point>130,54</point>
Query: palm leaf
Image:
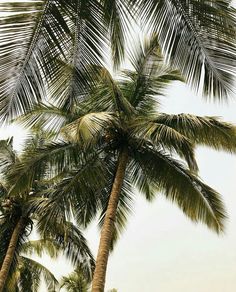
<point>30,275</point>
<point>150,78</point>
<point>36,163</point>
<point>46,117</point>
<point>197,200</point>
<point>71,77</point>
<point>197,37</point>
<point>166,137</point>
<point>69,239</point>
<point>75,194</point>
<point>117,17</point>
<point>89,128</point>
<point>209,131</point>
<point>32,33</point>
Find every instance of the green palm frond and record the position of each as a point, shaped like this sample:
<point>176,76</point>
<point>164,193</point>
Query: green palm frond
<point>113,93</point>
<point>47,117</point>
<point>30,276</point>
<point>168,138</point>
<point>198,38</point>
<point>48,48</point>
<point>49,159</point>
<point>75,282</point>
<point>79,280</point>
<point>39,247</point>
<point>209,131</point>
<point>69,239</point>
<point>76,194</point>
<point>150,78</point>
<point>197,200</point>
<point>7,154</point>
<point>69,242</point>
<point>88,129</point>
<point>3,192</point>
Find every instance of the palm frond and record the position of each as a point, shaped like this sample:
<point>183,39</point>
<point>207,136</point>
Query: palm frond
<point>53,247</point>
<point>40,246</point>
<point>150,78</point>
<point>113,92</point>
<point>30,276</point>
<point>7,154</point>
<point>75,194</point>
<point>88,129</point>
<point>209,131</point>
<point>198,38</point>
<point>117,17</point>
<point>69,239</point>
<point>47,117</point>
<point>168,138</point>
<point>71,77</point>
<point>197,200</point>
<point>75,282</point>
<point>32,34</point>
<point>46,160</point>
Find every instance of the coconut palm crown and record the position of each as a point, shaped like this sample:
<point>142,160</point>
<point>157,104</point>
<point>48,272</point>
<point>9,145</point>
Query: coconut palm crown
<point>116,140</point>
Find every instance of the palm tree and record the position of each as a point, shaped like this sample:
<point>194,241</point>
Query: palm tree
<point>119,141</point>
<point>48,46</point>
<point>78,281</point>
<point>75,283</point>
<point>26,276</point>
<point>17,271</point>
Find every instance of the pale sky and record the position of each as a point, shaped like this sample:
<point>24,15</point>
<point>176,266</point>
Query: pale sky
<point>162,250</point>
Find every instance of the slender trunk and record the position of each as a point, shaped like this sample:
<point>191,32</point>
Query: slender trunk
<point>10,253</point>
<point>98,283</point>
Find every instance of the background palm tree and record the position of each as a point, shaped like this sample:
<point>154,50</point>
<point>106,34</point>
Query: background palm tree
<point>119,136</point>
<point>78,281</point>
<point>19,273</point>
<point>27,275</point>
<point>48,46</point>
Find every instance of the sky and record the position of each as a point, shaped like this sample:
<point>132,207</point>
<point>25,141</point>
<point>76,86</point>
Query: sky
<point>162,250</point>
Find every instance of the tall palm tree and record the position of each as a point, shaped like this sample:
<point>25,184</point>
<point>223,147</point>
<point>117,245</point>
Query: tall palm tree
<point>47,46</point>
<point>119,140</point>
<point>17,219</point>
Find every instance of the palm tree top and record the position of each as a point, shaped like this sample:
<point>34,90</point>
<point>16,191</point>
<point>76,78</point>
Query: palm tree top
<point>57,41</point>
<point>122,113</point>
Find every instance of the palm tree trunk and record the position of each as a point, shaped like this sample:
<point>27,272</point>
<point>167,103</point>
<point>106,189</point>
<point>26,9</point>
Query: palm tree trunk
<point>98,283</point>
<point>10,253</point>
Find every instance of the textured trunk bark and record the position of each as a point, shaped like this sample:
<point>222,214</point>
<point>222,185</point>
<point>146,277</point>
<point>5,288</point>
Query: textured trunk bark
<point>98,283</point>
<point>10,253</point>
